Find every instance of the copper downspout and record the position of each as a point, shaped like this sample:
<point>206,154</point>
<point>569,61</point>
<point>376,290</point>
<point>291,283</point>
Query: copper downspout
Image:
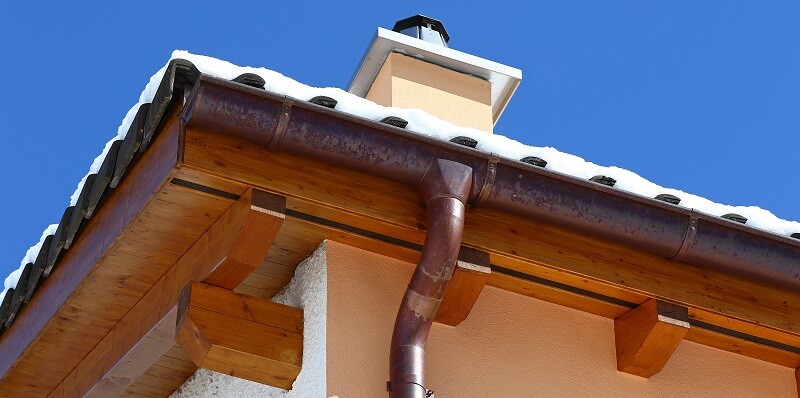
<point>444,187</point>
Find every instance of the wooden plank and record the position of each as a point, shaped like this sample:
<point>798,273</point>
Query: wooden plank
<point>174,365</point>
<point>208,251</point>
<point>314,181</point>
<point>246,337</point>
<point>121,207</point>
<point>137,360</point>
<point>470,276</point>
<point>743,347</point>
<point>252,242</point>
<point>744,327</point>
<point>647,335</point>
<point>216,299</point>
<point>151,386</point>
<point>556,296</point>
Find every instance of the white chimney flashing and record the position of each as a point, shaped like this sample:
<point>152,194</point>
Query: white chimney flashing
<point>504,79</point>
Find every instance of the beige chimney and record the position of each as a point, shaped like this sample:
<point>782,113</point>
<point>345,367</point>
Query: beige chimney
<point>411,67</point>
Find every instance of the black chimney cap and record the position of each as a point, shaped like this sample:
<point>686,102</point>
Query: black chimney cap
<point>422,21</point>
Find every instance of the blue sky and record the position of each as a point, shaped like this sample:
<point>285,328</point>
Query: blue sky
<point>700,96</point>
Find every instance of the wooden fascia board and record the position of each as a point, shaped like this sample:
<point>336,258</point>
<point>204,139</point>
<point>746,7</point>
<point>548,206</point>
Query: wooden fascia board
<point>123,206</point>
<point>395,210</point>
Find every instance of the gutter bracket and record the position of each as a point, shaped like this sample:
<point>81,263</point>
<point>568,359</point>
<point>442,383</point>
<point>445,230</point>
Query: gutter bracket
<point>688,238</point>
<point>283,125</point>
<point>488,181</point>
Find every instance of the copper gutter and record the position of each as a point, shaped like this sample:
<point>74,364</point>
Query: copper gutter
<point>299,128</point>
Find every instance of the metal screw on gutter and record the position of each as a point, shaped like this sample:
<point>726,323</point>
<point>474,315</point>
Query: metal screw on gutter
<point>665,197</point>
<point>322,100</point>
<point>395,121</point>
<point>251,79</point>
<point>735,217</point>
<point>465,141</point>
<point>604,180</point>
<point>534,161</point>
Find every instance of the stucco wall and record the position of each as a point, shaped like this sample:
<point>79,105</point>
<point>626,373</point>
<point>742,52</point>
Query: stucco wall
<point>511,346</point>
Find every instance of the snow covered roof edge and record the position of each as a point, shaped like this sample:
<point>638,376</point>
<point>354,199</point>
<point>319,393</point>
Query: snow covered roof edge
<point>424,124</point>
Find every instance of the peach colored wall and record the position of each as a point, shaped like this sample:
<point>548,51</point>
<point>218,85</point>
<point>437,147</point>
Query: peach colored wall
<point>407,82</point>
<point>511,346</point>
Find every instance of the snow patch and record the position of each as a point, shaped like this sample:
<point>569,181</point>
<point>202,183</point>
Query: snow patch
<point>308,289</point>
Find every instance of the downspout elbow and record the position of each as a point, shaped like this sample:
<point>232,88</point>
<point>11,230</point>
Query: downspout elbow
<point>445,187</point>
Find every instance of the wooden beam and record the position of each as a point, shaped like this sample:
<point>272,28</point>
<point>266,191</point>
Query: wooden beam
<point>647,336</point>
<point>241,245</point>
<point>205,254</point>
<point>469,278</point>
<point>267,212</point>
<point>242,336</point>
<point>136,361</point>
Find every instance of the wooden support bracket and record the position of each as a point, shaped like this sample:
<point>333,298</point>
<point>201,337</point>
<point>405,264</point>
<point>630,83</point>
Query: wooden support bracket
<point>250,247</point>
<point>647,335</point>
<point>229,250</point>
<point>243,336</point>
<point>469,278</point>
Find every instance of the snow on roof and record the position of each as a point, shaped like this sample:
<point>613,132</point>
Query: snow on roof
<point>424,124</point>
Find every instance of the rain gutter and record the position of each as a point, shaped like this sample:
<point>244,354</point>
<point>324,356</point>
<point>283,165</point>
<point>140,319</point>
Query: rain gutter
<point>300,128</point>
<point>450,176</point>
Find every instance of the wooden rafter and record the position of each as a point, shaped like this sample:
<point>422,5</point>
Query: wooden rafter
<point>229,250</point>
<point>267,212</point>
<point>239,335</point>
<point>647,335</point>
<point>208,251</point>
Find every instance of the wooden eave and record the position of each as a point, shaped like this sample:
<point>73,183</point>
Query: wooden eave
<point>122,275</point>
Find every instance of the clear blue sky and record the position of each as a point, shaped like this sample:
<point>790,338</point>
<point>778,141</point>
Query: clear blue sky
<point>700,96</point>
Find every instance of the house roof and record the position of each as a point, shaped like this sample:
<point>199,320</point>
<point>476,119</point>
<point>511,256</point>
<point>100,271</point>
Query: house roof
<point>422,129</point>
<point>143,118</point>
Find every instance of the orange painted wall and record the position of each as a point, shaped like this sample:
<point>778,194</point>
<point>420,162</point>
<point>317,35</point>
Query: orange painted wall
<point>511,346</point>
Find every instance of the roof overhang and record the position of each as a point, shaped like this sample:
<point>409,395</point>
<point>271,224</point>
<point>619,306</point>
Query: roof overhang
<point>504,79</point>
<point>181,201</point>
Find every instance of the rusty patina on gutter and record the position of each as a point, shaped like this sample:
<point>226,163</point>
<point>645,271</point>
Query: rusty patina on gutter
<point>300,128</point>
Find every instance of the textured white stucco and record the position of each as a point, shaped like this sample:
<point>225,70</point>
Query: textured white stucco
<point>308,290</point>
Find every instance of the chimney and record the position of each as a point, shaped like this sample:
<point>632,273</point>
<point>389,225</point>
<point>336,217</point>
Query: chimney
<point>411,66</point>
